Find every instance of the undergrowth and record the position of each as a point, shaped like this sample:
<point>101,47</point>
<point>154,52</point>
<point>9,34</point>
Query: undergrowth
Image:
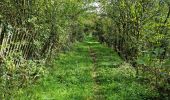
<point>70,78</point>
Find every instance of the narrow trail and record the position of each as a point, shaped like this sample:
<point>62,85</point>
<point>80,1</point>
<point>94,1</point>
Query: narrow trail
<point>89,71</point>
<point>97,96</point>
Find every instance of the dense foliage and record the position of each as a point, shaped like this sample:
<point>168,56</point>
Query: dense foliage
<point>34,32</point>
<point>139,31</point>
<point>31,31</point>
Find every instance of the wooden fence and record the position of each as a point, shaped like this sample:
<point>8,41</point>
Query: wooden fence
<point>14,40</point>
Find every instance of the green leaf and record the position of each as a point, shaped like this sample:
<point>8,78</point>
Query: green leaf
<point>167,63</point>
<point>141,61</point>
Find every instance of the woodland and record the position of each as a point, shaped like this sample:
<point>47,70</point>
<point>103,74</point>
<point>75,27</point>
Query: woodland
<point>85,49</point>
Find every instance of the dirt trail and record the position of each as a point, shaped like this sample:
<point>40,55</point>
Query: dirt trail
<point>97,92</point>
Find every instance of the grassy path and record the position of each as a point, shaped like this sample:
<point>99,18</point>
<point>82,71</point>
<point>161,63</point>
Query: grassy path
<point>94,74</point>
<point>103,58</point>
<point>90,71</point>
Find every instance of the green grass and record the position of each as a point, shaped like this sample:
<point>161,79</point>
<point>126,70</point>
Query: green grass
<point>71,77</point>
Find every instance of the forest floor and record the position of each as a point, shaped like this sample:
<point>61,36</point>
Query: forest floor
<point>90,71</point>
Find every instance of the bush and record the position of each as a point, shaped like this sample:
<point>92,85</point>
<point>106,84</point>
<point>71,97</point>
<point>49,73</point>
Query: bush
<point>18,73</point>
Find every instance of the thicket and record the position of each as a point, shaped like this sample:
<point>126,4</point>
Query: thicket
<point>139,31</point>
<point>31,33</point>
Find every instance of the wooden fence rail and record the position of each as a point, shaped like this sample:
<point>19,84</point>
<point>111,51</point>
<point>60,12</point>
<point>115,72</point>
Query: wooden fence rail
<point>14,40</point>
